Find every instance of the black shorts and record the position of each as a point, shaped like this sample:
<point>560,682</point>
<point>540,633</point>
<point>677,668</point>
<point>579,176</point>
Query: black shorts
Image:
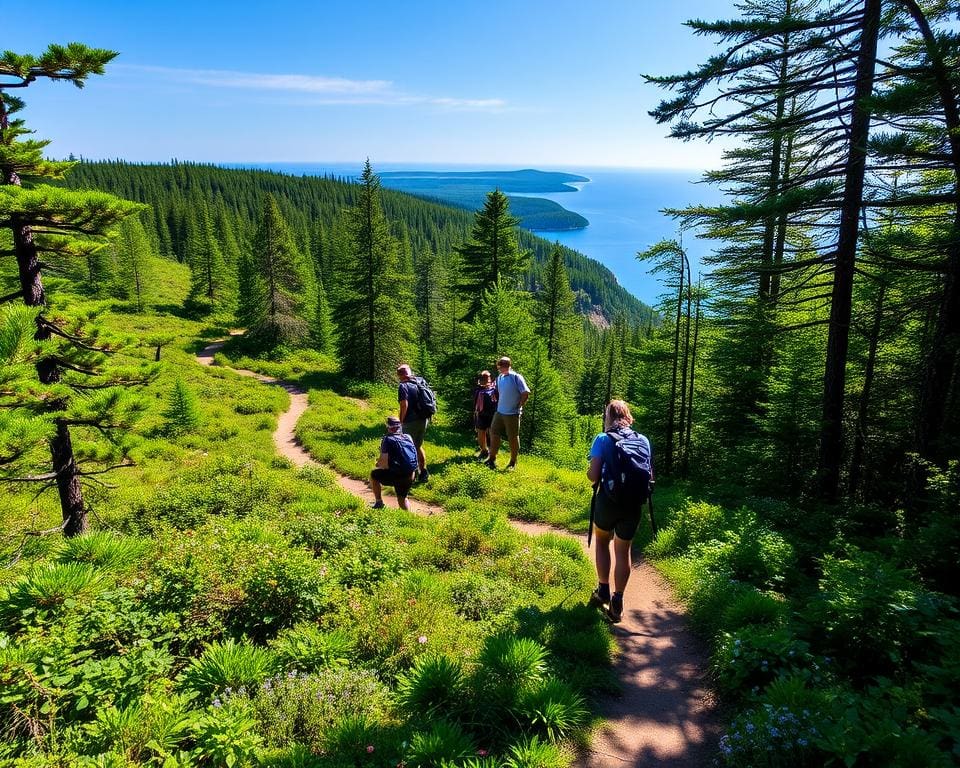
<point>483,420</point>
<point>610,516</point>
<point>401,482</point>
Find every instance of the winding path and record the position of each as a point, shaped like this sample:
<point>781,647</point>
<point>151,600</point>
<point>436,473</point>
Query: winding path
<point>665,715</point>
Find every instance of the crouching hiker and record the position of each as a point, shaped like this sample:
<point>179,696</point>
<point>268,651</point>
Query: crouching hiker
<point>396,464</point>
<point>621,470</point>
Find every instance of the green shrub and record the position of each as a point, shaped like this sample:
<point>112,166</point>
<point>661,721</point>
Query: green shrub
<point>533,753</point>
<point>305,708</point>
<point>479,598</point>
<point>305,646</point>
<point>751,606</point>
<point>771,735</point>
<point>866,610</point>
<point>104,550</point>
<point>471,480</point>
<point>225,735</point>
<point>443,741</point>
<point>552,707</point>
<point>47,591</point>
<point>436,684</point>
<point>368,560</point>
<point>507,666</point>
<point>150,728</point>
<point>229,665</point>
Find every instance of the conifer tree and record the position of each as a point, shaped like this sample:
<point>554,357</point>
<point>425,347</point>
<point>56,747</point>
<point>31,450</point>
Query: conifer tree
<point>323,333</point>
<point>182,413</point>
<point>281,281</point>
<point>208,272</point>
<point>547,411</point>
<point>492,254</point>
<point>57,226</point>
<point>132,267</point>
<point>248,291</point>
<point>557,322</point>
<point>503,326</point>
<point>374,311</point>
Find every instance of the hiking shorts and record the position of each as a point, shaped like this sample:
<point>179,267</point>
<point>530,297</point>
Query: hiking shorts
<point>401,482</point>
<point>416,429</point>
<point>609,516</point>
<point>506,424</point>
<point>482,421</point>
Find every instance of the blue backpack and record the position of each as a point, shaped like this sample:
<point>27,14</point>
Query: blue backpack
<point>403,458</point>
<point>627,471</point>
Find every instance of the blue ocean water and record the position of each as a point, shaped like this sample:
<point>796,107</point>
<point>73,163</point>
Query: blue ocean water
<point>622,205</point>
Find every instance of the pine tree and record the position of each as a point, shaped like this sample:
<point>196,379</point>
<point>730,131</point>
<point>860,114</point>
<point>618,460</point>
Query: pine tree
<point>548,409</point>
<point>492,254</point>
<point>373,310</point>
<point>209,287</point>
<point>54,226</point>
<point>324,337</point>
<point>281,282</point>
<point>132,257</point>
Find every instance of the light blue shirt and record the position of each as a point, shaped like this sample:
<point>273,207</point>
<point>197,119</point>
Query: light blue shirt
<point>509,388</point>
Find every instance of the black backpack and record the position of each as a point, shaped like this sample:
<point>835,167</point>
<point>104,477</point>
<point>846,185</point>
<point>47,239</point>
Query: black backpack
<point>426,405</point>
<point>626,476</point>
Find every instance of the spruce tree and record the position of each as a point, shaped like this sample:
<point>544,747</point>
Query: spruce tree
<point>132,262</point>
<point>209,277</point>
<point>548,409</point>
<point>492,254</point>
<point>557,322</point>
<point>281,281</point>
<point>182,413</point>
<point>374,310</point>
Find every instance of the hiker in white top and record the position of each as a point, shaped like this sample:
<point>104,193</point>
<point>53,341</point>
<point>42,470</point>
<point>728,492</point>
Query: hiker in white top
<point>512,394</point>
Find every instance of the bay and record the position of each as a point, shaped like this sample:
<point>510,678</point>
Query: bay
<point>623,206</point>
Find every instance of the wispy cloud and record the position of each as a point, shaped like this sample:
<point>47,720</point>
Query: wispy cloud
<point>322,91</point>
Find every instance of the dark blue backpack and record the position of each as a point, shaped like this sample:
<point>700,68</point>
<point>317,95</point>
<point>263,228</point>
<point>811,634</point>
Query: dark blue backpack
<point>426,405</point>
<point>403,458</point>
<point>627,471</point>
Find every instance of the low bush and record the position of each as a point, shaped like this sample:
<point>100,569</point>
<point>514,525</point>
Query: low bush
<point>307,647</point>
<point>224,667</point>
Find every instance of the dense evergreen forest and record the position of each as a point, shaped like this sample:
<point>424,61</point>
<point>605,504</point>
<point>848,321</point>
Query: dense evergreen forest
<point>803,400</point>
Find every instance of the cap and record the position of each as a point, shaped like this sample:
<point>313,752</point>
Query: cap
<point>393,423</point>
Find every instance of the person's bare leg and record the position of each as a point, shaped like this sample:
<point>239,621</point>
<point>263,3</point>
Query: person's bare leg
<point>514,450</point>
<point>601,552</point>
<point>421,458</point>
<point>494,445</point>
<point>482,439</point>
<point>377,489</point>
<point>623,565</point>
<point>402,502</point>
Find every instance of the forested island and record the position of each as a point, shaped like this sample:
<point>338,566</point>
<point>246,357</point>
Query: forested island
<point>467,189</point>
<point>176,590</point>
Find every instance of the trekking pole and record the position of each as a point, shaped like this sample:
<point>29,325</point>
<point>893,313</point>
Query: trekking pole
<point>593,505</point>
<point>653,522</point>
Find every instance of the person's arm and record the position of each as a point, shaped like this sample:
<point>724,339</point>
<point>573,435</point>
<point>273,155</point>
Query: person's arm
<point>523,398</point>
<point>594,469</point>
<point>523,388</point>
<point>403,409</point>
<point>384,461</point>
<point>404,405</point>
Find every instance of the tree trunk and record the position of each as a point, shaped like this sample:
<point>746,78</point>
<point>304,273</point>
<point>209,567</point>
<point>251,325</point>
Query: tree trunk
<point>668,456</point>
<point>860,437</point>
<point>834,379</point>
<point>693,367</point>
<point>68,481</point>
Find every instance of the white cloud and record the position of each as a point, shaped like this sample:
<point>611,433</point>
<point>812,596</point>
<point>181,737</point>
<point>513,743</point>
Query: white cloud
<point>324,91</point>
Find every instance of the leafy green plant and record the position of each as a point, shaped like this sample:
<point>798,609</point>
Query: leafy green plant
<point>531,752</point>
<point>752,606</point>
<point>553,707</point>
<point>182,414</point>
<point>225,735</point>
<point>305,646</point>
<point>443,741</point>
<point>150,728</point>
<point>229,665</point>
<point>435,684</point>
<point>48,590</point>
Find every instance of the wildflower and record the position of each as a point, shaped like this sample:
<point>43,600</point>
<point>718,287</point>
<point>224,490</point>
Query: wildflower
<point>217,703</point>
<point>774,732</point>
<point>750,728</point>
<point>482,752</point>
<point>422,639</point>
<point>369,749</point>
<point>802,742</point>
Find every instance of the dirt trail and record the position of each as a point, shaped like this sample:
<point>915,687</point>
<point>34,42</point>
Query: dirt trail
<point>665,715</point>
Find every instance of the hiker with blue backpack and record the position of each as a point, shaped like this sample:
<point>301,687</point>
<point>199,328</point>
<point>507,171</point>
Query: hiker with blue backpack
<point>621,470</point>
<point>396,464</point>
<point>417,404</point>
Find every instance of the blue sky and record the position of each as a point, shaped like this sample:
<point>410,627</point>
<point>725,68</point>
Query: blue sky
<point>546,83</point>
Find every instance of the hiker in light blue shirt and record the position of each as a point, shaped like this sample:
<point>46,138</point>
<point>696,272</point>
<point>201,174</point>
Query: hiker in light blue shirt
<point>512,394</point>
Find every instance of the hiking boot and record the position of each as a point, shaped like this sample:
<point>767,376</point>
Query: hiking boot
<point>424,476</point>
<point>483,455</point>
<point>491,463</point>
<point>510,467</point>
<point>597,600</point>
<point>378,504</point>
<point>615,611</point>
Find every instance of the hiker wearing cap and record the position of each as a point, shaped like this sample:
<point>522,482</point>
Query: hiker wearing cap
<point>415,422</point>
<point>396,464</point>
<point>484,406</point>
<point>621,471</point>
<point>512,393</point>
